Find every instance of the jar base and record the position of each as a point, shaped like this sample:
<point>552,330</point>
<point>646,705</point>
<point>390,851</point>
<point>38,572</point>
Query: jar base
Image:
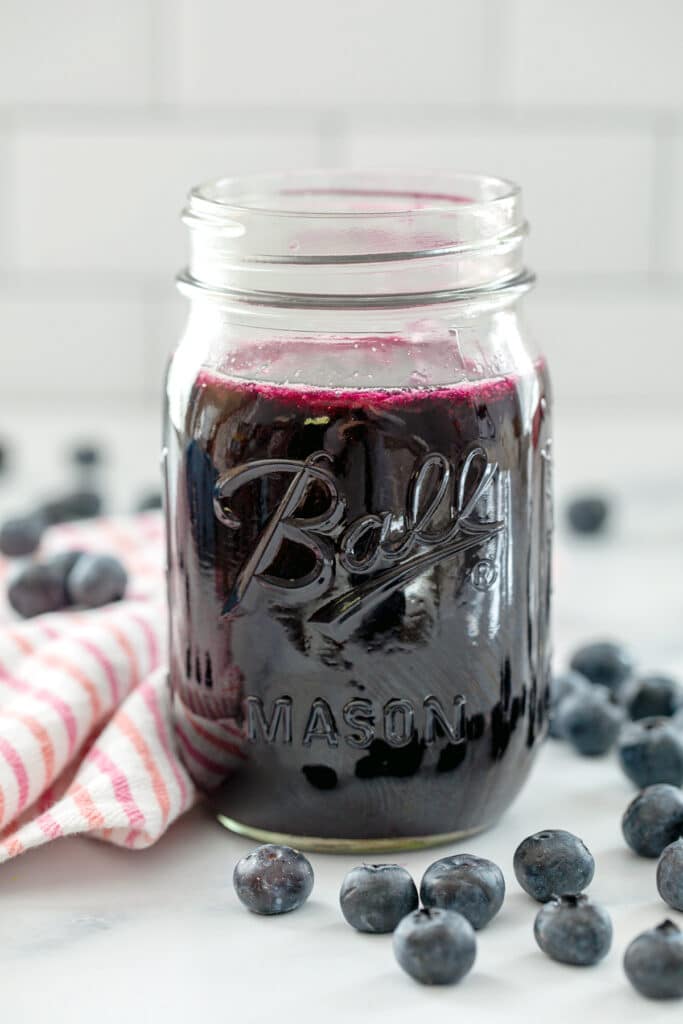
<point>324,845</point>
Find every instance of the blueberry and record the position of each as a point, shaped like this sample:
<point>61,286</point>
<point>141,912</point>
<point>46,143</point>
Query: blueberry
<point>472,886</point>
<point>670,875</point>
<point>86,455</point>
<point>21,536</point>
<point>36,588</point>
<point>563,685</point>
<point>588,514</point>
<point>96,580</point>
<point>82,504</point>
<point>149,502</point>
<point>375,897</point>
<point>603,662</point>
<point>273,879</point>
<point>553,863</point>
<point>590,721</point>
<point>653,819</point>
<point>652,696</point>
<point>654,962</point>
<point>435,946</point>
<point>651,751</point>
<point>574,930</point>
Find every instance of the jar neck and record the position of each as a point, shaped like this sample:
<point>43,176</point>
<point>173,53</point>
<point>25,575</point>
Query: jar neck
<point>348,240</point>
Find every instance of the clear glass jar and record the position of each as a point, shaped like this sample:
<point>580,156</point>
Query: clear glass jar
<point>359,509</point>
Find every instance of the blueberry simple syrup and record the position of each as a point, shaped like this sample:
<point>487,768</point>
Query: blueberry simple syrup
<point>359,586</point>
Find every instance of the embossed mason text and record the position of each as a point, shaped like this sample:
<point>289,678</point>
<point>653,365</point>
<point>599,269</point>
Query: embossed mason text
<point>358,723</point>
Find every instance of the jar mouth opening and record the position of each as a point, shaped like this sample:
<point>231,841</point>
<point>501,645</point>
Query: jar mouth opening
<point>384,194</point>
<point>354,235</point>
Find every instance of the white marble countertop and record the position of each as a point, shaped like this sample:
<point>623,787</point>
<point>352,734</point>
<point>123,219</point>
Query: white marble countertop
<point>89,932</point>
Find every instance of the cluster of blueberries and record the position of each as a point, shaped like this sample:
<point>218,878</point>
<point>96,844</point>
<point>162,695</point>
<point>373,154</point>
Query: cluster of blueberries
<point>436,945</point>
<point>599,702</point>
<point>71,578</point>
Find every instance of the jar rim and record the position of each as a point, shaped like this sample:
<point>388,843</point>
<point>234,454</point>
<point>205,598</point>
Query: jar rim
<point>355,236</point>
<point>426,193</point>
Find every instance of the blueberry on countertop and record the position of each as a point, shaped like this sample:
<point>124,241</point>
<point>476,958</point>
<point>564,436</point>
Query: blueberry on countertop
<point>273,879</point>
<point>670,875</point>
<point>21,536</point>
<point>375,897</point>
<point>588,514</point>
<point>573,930</point>
<point>563,685</point>
<point>651,750</point>
<point>603,662</point>
<point>553,863</point>
<point>654,962</point>
<point>86,455</point>
<point>36,588</point>
<point>435,946</point>
<point>590,721</point>
<point>80,504</point>
<point>96,580</point>
<point>149,502</point>
<point>653,819</point>
<point>472,886</point>
<point>652,696</point>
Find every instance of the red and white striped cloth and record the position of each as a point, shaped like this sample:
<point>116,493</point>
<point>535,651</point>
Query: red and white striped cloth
<point>86,740</point>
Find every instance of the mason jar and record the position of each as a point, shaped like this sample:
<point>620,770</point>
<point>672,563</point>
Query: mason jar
<point>358,502</point>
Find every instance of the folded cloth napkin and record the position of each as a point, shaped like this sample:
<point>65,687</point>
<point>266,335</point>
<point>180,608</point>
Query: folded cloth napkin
<point>86,737</point>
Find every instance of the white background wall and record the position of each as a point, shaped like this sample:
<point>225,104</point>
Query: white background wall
<point>111,109</point>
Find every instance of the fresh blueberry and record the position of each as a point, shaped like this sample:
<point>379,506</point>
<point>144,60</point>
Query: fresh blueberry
<point>472,886</point>
<point>563,685</point>
<point>654,962</point>
<point>149,502</point>
<point>651,751</point>
<point>36,588</point>
<point>590,721</point>
<point>86,455</point>
<point>670,875</point>
<point>375,897</point>
<point>588,514</point>
<point>435,946</point>
<point>21,536</point>
<point>553,863</point>
<point>652,696</point>
<point>82,504</point>
<point>273,879</point>
<point>96,580</point>
<point>574,930</point>
<point>603,662</point>
<point>653,819</point>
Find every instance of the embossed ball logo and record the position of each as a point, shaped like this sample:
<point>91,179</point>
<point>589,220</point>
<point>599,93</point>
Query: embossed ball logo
<point>439,521</point>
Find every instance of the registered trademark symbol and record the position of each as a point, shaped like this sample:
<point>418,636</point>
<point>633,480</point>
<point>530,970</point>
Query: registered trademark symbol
<point>484,574</point>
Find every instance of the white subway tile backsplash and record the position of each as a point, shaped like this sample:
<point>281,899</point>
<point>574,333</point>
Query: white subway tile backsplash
<point>673,227</point>
<point>75,51</point>
<point>611,344</point>
<point>82,348</point>
<point>587,195</point>
<point>626,53</point>
<point>309,53</point>
<point>112,200</point>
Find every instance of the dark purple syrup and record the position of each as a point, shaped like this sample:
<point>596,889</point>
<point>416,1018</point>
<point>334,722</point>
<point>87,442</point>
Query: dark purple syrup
<point>359,586</point>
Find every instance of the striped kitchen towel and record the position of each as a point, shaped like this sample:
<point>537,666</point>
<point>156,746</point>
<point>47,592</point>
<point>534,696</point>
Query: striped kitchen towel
<point>86,740</point>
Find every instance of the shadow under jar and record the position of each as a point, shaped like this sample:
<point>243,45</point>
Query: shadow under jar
<point>358,497</point>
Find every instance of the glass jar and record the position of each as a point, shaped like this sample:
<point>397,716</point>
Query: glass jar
<point>359,511</point>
